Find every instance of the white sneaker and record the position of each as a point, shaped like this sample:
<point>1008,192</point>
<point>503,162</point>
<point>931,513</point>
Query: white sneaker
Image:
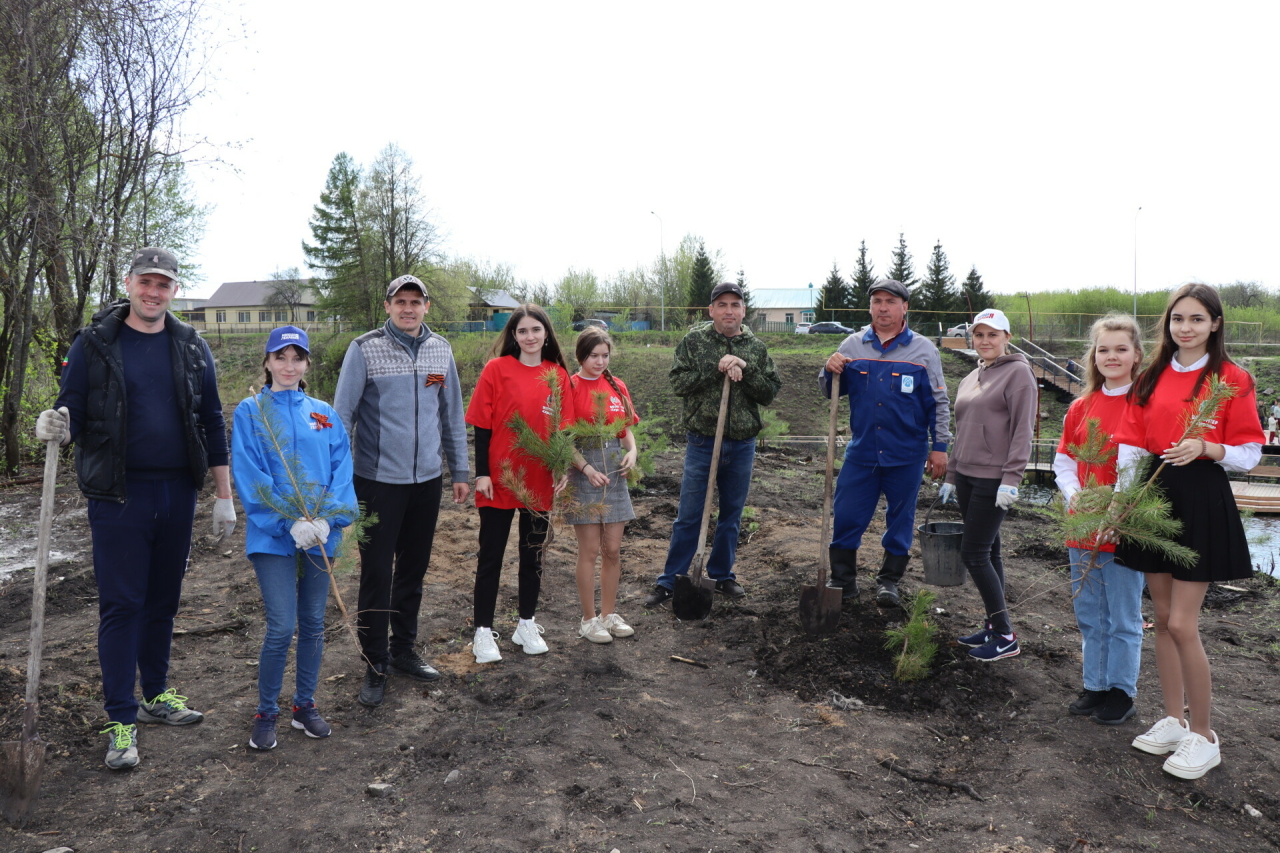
<point>1163,737</point>
<point>529,635</point>
<point>616,626</point>
<point>594,630</point>
<point>1194,757</point>
<point>485,646</point>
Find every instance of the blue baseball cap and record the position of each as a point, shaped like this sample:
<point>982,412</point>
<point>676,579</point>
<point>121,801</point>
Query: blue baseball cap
<point>287,336</point>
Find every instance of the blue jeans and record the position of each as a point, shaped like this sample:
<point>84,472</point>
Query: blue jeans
<point>291,597</point>
<point>1109,611</point>
<point>858,490</point>
<point>732,479</point>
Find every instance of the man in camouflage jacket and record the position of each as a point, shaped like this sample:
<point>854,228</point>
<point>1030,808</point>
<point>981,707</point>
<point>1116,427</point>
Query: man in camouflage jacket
<point>703,358</point>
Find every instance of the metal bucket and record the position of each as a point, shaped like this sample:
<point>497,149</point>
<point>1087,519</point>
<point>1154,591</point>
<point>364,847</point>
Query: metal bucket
<point>940,551</point>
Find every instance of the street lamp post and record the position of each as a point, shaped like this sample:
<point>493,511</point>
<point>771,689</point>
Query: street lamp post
<point>662,289</point>
<point>1135,262</point>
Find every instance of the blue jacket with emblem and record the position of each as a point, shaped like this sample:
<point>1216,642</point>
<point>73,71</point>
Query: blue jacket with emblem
<point>310,434</point>
<point>898,408</point>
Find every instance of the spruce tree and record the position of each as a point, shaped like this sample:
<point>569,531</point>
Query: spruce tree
<point>937,293</point>
<point>834,299</point>
<point>701,282</point>
<point>863,277</point>
<point>973,295</point>
<point>901,269</point>
<point>746,296</point>
<point>340,247</point>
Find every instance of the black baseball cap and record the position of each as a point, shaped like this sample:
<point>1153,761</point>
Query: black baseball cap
<point>895,288</point>
<point>726,287</point>
<point>406,281</point>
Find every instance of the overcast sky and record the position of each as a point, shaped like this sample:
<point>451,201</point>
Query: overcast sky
<point>1024,136</point>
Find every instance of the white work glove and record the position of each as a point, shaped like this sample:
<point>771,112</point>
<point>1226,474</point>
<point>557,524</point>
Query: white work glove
<point>224,518</point>
<point>947,494</point>
<point>1006,496</point>
<point>308,534</point>
<point>53,425</point>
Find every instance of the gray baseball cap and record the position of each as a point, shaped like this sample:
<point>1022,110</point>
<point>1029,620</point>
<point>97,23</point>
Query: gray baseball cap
<point>151,259</point>
<point>890,286</point>
<point>404,281</point>
<point>726,287</point>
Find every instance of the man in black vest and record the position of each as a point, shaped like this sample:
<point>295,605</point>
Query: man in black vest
<point>140,400</point>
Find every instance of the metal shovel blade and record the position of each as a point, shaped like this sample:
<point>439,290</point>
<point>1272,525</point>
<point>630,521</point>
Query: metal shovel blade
<point>692,597</point>
<point>21,767</point>
<point>820,609</point>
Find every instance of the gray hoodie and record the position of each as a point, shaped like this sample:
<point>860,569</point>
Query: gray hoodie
<point>995,420</point>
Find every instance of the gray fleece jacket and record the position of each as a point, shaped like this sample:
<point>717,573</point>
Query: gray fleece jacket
<point>995,420</point>
<point>404,413</point>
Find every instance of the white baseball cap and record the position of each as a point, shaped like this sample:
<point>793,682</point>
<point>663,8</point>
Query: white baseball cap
<point>994,318</point>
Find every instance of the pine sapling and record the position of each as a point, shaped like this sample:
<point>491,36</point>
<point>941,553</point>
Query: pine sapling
<point>914,639</point>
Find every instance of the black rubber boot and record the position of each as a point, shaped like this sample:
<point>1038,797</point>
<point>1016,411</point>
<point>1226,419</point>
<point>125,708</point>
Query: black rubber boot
<point>894,567</point>
<point>844,572</point>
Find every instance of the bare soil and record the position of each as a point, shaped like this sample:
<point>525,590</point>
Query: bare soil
<point>785,742</point>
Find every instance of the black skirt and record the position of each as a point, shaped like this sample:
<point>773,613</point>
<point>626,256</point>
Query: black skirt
<point>1200,497</point>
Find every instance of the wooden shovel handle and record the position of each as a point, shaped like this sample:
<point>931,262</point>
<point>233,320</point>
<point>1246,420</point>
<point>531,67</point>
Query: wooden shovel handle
<point>715,464</point>
<point>39,584</point>
<point>824,556</point>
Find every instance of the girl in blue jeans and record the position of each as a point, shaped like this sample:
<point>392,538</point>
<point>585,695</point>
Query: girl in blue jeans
<point>1107,594</point>
<point>289,450</point>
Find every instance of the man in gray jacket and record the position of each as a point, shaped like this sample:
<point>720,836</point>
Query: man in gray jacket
<point>399,396</point>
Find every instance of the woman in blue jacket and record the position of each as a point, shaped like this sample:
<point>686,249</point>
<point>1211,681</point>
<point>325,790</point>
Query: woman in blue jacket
<point>292,467</point>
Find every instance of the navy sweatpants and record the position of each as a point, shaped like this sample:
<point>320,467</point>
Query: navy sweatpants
<point>140,551</point>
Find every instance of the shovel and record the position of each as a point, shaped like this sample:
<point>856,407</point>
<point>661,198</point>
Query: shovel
<point>819,605</point>
<point>692,598</point>
<point>22,761</point>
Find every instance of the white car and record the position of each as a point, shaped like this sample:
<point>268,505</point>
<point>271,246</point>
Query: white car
<point>803,328</point>
<point>960,331</point>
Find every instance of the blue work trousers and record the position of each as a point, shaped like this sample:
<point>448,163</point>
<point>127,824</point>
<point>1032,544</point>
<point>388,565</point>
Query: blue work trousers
<point>140,550</point>
<point>733,479</point>
<point>294,594</point>
<point>1108,603</point>
<point>858,490</point>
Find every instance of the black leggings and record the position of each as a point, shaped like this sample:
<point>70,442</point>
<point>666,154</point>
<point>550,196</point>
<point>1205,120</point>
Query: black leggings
<point>495,527</point>
<point>980,545</point>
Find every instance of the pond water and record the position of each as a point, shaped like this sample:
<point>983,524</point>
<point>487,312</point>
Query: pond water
<point>1263,531</point>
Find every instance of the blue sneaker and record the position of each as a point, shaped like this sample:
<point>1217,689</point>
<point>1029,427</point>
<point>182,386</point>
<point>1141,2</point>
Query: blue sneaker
<point>264,732</point>
<point>979,639</point>
<point>307,718</point>
<point>995,649</point>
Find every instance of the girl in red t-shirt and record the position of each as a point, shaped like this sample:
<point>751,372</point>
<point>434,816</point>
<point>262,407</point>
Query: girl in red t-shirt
<point>514,382</point>
<point>1191,349</point>
<point>1107,595</point>
<point>601,503</point>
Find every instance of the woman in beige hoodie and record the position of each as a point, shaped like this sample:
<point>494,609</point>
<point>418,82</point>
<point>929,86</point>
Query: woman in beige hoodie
<point>995,417</point>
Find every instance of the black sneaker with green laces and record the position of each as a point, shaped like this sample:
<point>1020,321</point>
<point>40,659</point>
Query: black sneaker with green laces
<point>122,746</point>
<point>168,708</point>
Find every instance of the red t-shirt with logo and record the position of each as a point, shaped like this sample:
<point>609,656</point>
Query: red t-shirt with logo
<point>586,392</point>
<point>507,387</point>
<point>1159,424</point>
<point>1110,412</point>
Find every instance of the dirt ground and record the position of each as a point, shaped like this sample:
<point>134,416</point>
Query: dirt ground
<point>784,742</point>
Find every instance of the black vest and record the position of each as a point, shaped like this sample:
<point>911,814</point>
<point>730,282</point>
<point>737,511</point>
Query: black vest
<point>102,444</point>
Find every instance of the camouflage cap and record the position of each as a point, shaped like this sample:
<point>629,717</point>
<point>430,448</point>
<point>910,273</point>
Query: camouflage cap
<point>406,281</point>
<point>151,259</point>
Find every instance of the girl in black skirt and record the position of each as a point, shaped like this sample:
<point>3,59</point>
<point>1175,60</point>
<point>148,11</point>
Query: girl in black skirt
<point>1190,350</point>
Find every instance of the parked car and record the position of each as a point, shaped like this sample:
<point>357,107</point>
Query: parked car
<point>803,328</point>
<point>829,327</point>
<point>961,331</point>
<point>582,324</point>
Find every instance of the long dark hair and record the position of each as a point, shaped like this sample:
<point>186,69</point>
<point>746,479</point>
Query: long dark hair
<point>1167,347</point>
<point>1093,378</point>
<point>266,371</point>
<point>506,343</point>
<point>588,339</point>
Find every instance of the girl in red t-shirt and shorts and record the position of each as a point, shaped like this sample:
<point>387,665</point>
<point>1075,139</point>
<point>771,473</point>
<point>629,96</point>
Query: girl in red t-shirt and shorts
<point>601,504</point>
<point>1190,350</point>
<point>514,382</point>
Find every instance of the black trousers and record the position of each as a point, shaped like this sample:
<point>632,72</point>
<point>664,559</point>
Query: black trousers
<point>495,527</point>
<point>393,563</point>
<point>980,545</point>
